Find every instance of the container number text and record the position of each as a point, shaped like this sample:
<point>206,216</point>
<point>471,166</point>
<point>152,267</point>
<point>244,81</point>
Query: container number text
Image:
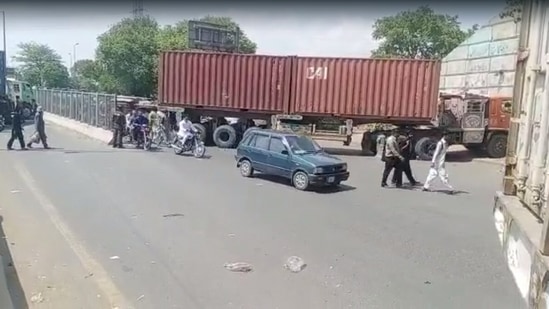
<point>317,73</point>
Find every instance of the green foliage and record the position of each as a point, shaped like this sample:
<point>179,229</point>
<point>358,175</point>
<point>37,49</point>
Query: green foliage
<point>41,66</point>
<point>513,8</point>
<point>128,53</point>
<point>419,34</point>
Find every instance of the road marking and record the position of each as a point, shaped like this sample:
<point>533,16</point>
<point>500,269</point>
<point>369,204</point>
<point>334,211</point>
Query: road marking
<point>100,275</point>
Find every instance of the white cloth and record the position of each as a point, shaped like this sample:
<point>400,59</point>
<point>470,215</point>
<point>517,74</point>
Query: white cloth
<point>185,130</point>
<point>438,168</point>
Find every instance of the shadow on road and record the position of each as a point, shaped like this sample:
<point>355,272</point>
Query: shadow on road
<point>286,182</point>
<point>347,152</point>
<point>14,286</point>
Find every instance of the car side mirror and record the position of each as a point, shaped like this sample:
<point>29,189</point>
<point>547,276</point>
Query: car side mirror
<point>285,152</point>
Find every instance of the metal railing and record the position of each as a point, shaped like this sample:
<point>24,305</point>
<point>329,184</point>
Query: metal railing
<point>92,108</point>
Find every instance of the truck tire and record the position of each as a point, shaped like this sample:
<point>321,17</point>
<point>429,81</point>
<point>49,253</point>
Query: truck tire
<point>425,147</point>
<point>225,136</point>
<point>497,146</point>
<point>202,132</point>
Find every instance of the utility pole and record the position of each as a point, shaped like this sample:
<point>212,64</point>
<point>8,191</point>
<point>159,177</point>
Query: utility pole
<point>138,8</point>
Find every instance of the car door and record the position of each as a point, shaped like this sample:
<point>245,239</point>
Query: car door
<point>279,162</point>
<point>259,150</point>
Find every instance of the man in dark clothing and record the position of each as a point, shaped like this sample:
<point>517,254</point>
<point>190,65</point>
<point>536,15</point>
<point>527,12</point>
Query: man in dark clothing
<point>392,159</point>
<point>40,129</point>
<point>406,147</point>
<point>118,125</point>
<point>17,128</point>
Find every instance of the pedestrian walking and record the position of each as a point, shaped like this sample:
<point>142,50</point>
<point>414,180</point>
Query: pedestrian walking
<point>438,166</point>
<point>17,128</point>
<point>118,125</point>
<point>407,151</point>
<point>392,158</point>
<point>39,134</point>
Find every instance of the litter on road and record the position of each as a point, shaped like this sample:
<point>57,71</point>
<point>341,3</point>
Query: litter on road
<point>114,257</point>
<point>295,264</point>
<point>239,267</point>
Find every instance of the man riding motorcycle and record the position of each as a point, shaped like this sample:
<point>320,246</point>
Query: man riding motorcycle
<point>186,130</point>
<point>136,123</point>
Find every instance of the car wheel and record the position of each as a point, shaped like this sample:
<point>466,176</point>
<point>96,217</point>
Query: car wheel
<point>300,181</point>
<point>246,168</point>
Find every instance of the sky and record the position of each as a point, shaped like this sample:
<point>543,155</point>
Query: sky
<point>285,29</point>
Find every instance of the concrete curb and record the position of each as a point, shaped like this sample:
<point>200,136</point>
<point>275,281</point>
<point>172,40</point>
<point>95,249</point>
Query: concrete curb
<point>5,297</point>
<point>80,127</point>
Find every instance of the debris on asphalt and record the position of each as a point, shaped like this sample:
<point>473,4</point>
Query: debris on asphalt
<point>114,257</point>
<point>88,276</point>
<point>140,297</point>
<point>295,264</point>
<point>15,191</point>
<point>37,298</point>
<point>239,267</point>
<point>231,235</point>
<point>427,282</point>
<point>173,215</point>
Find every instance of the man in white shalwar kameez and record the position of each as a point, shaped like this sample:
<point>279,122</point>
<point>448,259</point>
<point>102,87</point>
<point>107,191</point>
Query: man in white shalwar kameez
<point>438,168</point>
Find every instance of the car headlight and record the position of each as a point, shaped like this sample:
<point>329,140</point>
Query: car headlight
<point>344,166</point>
<point>318,170</point>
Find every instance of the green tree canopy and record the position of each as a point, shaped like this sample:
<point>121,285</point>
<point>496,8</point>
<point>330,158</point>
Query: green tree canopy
<point>40,65</point>
<point>176,37</point>
<point>127,57</point>
<point>418,34</point>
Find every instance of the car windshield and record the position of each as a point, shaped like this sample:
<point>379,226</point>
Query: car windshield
<point>302,144</point>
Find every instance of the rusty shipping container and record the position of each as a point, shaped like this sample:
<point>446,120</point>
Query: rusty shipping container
<point>224,82</point>
<point>371,89</point>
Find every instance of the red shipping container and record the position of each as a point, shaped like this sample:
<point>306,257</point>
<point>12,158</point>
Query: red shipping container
<point>224,82</point>
<point>375,89</point>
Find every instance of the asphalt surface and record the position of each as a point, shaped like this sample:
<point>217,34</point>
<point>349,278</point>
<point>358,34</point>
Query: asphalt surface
<point>89,226</point>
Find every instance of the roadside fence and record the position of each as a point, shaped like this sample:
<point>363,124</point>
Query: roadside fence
<point>95,109</point>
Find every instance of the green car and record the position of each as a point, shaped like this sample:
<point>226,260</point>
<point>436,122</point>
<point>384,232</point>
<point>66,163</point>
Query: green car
<point>291,156</point>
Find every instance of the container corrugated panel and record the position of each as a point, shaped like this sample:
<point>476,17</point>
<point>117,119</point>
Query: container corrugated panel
<point>528,144</point>
<point>224,81</point>
<point>404,90</point>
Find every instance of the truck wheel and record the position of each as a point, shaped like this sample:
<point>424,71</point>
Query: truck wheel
<point>202,132</point>
<point>425,148</point>
<point>497,146</point>
<point>224,136</point>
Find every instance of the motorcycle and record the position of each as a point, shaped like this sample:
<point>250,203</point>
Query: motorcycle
<point>143,137</point>
<point>159,136</point>
<point>193,144</point>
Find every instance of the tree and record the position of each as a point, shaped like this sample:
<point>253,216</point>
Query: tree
<point>41,66</point>
<point>127,57</point>
<point>85,75</point>
<point>176,37</point>
<point>419,34</point>
<point>513,8</point>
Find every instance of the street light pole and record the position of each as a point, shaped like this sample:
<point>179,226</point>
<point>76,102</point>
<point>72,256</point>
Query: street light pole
<point>70,64</point>
<point>74,57</point>
<point>3,82</point>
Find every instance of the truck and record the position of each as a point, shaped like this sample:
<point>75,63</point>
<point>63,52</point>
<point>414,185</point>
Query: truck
<point>520,208</point>
<point>22,92</point>
<point>326,98</point>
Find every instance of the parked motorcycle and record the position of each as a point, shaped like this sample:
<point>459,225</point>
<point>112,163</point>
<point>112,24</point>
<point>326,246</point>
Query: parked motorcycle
<point>193,144</point>
<point>143,137</point>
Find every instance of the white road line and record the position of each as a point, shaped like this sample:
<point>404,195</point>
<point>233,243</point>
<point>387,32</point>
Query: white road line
<point>100,275</point>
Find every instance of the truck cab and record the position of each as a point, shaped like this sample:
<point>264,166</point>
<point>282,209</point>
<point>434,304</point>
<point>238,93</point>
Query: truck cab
<point>22,92</point>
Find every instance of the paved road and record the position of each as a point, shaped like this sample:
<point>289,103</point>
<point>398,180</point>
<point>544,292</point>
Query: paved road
<point>86,227</point>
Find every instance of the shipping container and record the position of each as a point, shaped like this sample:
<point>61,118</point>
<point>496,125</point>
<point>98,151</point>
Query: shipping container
<point>396,90</point>
<point>520,211</point>
<point>224,82</point>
